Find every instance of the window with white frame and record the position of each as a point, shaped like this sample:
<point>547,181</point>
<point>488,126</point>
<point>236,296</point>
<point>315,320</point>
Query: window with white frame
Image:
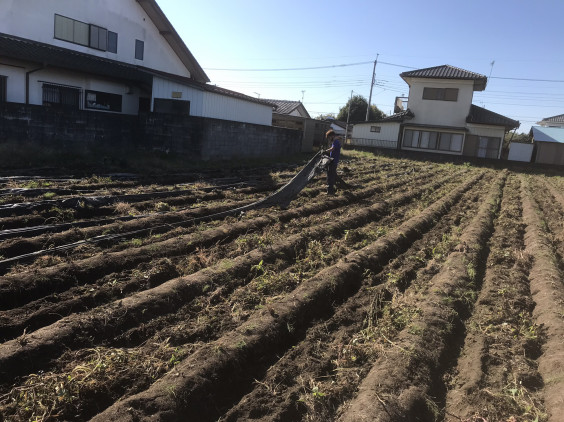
<point>432,140</point>
<point>375,129</point>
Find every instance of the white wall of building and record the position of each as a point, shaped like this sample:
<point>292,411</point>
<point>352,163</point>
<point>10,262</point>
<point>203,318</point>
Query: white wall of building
<point>229,108</point>
<point>388,131</point>
<point>35,20</point>
<point>520,152</point>
<point>15,83</point>
<point>130,99</point>
<point>163,88</point>
<point>386,138</point>
<point>436,112</point>
<point>483,130</point>
<point>545,124</point>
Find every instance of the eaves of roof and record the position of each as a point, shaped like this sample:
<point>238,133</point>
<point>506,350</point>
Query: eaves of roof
<point>171,36</point>
<point>338,123</point>
<point>397,117</point>
<point>479,115</point>
<point>46,55</point>
<point>287,107</point>
<point>447,72</point>
<point>439,127</point>
<point>554,119</point>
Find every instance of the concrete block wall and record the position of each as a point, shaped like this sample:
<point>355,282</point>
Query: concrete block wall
<point>201,138</point>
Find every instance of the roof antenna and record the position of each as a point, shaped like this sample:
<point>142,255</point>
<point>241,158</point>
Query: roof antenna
<point>303,92</point>
<point>491,70</point>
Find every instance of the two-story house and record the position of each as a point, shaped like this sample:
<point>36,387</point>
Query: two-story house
<point>108,56</point>
<point>553,121</point>
<point>440,117</point>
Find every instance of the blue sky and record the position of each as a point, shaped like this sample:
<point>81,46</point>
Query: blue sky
<point>264,40</point>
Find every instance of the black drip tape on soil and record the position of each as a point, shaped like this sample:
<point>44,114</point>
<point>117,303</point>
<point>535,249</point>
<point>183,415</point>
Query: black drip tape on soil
<point>282,198</point>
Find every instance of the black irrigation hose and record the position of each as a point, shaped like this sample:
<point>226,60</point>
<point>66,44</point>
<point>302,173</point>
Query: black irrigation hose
<point>56,228</point>
<point>98,201</point>
<point>281,197</point>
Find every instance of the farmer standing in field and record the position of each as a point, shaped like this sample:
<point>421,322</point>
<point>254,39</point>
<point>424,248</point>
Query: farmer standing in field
<point>335,153</point>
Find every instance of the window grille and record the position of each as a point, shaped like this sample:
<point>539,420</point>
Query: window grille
<point>61,96</point>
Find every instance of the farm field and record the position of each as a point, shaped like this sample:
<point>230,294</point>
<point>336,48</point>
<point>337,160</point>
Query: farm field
<point>422,291</point>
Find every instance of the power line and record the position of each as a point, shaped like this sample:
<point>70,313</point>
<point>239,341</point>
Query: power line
<point>528,80</point>
<point>289,68</point>
<point>364,63</point>
<point>304,68</point>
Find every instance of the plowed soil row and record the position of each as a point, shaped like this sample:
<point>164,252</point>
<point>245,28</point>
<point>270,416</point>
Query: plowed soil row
<point>157,224</point>
<point>231,268</point>
<point>25,286</point>
<point>41,311</point>
<point>496,374</point>
<point>422,291</point>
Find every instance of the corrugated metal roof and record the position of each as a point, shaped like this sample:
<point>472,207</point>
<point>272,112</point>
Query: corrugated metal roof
<point>448,72</point>
<point>553,119</point>
<point>548,134</point>
<point>483,116</point>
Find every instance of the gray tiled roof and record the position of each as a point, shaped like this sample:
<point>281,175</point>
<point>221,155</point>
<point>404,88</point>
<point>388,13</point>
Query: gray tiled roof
<point>287,107</point>
<point>399,117</point>
<point>554,119</point>
<point>448,72</point>
<point>482,116</point>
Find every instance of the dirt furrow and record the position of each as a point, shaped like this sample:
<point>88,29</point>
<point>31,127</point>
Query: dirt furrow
<point>393,391</point>
<point>496,377</point>
<point>323,371</point>
<point>30,244</point>
<point>548,293</point>
<point>16,290</point>
<point>167,296</point>
<point>268,331</point>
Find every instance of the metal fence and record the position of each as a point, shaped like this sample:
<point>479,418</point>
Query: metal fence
<point>377,143</point>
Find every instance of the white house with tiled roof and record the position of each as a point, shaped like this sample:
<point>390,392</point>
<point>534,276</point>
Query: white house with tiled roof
<point>440,117</point>
<point>554,121</point>
<point>108,56</point>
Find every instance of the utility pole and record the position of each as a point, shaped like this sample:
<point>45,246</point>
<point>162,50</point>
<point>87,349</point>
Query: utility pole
<point>348,117</point>
<point>371,86</point>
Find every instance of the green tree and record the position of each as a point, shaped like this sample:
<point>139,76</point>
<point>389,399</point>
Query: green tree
<point>326,116</point>
<point>358,106</point>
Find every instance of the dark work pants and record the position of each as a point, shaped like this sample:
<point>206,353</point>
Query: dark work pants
<point>331,177</point>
